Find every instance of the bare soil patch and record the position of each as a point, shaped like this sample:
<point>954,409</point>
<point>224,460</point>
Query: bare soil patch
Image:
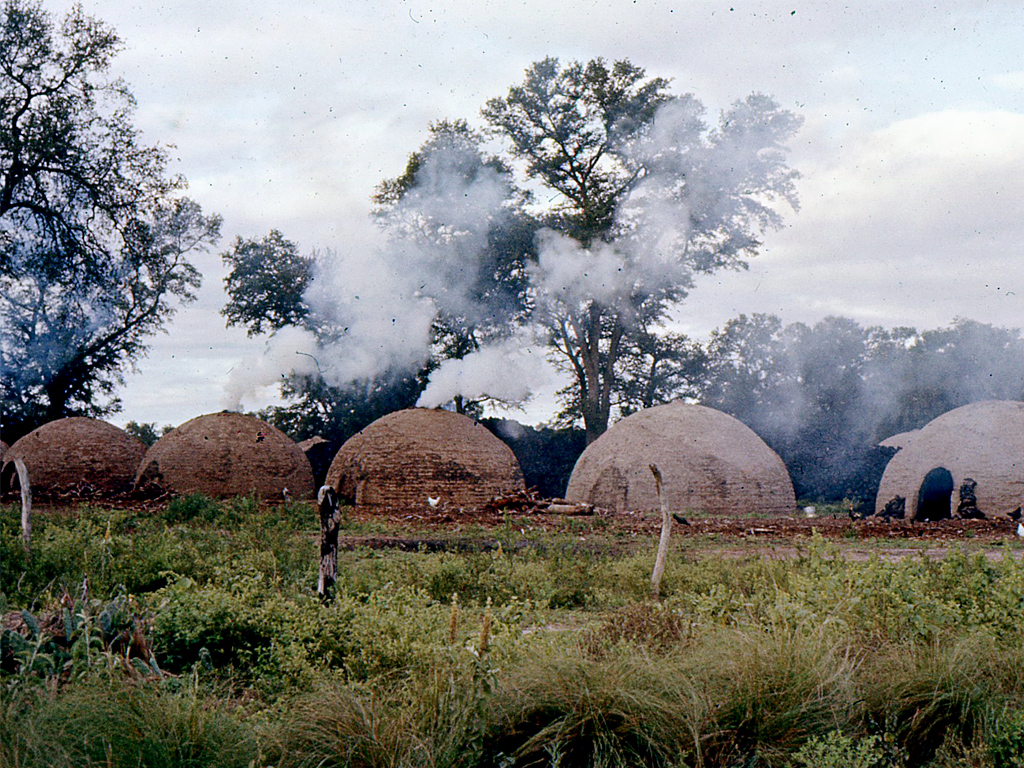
<point>778,537</point>
<point>453,521</point>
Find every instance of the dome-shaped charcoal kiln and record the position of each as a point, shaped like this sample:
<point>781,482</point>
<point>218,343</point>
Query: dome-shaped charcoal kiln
<point>710,463</point>
<point>407,457</point>
<point>76,456</point>
<point>981,444</point>
<point>227,454</point>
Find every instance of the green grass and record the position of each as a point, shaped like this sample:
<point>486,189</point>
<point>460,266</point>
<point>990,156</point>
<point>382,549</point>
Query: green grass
<point>746,661</point>
<point>121,724</point>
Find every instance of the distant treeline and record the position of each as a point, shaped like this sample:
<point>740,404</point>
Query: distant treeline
<point>822,396</point>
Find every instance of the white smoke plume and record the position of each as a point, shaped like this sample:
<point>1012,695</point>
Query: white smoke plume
<point>381,318</point>
<point>507,371</point>
<point>289,350</point>
<point>567,273</point>
<point>375,305</point>
<point>382,302</point>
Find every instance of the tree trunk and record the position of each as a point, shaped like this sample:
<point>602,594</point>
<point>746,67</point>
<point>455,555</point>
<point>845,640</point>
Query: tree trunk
<point>598,368</point>
<point>329,523</point>
<point>595,422</point>
<point>57,396</point>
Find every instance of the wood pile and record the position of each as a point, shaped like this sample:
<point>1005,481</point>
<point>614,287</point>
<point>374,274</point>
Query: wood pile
<point>529,502</point>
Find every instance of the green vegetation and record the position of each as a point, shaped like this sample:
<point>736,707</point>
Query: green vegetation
<point>192,635</point>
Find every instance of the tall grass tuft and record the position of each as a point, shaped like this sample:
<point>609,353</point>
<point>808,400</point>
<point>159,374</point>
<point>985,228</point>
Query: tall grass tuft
<point>121,724</point>
<point>933,693</point>
<point>431,719</point>
<point>769,690</point>
<point>624,711</point>
<point>338,725</point>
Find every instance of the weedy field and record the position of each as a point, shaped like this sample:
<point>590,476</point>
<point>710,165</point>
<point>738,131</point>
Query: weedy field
<point>191,635</point>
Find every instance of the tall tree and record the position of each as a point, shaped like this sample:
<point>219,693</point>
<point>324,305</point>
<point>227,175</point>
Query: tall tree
<point>72,168</point>
<point>94,239</point>
<point>751,374</point>
<point>641,193</point>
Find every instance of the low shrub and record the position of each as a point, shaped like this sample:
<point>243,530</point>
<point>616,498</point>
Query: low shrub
<point>1006,739</point>
<point>192,508</point>
<point>834,750</point>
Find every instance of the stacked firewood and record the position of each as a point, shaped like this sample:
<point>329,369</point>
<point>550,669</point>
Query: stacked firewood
<point>529,502</point>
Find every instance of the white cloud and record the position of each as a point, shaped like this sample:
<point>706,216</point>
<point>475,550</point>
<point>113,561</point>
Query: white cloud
<point>916,223</point>
<point>931,183</point>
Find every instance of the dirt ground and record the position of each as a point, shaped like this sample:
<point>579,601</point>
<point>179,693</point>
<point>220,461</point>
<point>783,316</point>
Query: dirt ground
<point>781,537</point>
<point>728,536</point>
<point>840,527</point>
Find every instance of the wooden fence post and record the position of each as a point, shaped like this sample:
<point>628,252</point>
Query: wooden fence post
<point>26,504</point>
<point>666,530</point>
<point>330,520</point>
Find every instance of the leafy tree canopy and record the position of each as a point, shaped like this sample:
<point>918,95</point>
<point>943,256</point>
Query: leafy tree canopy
<point>94,240</point>
<point>266,284</point>
<point>640,194</point>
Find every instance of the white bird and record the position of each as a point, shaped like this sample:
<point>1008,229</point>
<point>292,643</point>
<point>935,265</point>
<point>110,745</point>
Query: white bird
<point>1020,530</point>
<point>810,512</point>
<point>433,502</point>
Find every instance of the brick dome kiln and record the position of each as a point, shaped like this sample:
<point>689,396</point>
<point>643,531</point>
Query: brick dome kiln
<point>400,460</point>
<point>982,441</point>
<point>76,455</point>
<point>224,455</point>
<point>710,463</point>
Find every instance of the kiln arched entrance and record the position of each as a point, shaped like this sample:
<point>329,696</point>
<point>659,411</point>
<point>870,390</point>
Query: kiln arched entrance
<point>935,494</point>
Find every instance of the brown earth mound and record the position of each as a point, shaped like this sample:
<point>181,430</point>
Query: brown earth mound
<point>77,456</point>
<point>408,458</point>
<point>710,463</point>
<point>224,455</point>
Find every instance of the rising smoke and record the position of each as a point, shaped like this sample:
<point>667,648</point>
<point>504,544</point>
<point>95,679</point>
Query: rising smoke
<point>507,371</point>
<point>374,307</point>
<point>380,304</point>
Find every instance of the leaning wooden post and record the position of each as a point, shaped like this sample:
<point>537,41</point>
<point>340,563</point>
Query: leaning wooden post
<point>330,519</point>
<point>26,504</point>
<point>666,531</point>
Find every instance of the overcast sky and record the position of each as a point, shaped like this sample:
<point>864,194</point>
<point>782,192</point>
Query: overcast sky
<point>286,115</point>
